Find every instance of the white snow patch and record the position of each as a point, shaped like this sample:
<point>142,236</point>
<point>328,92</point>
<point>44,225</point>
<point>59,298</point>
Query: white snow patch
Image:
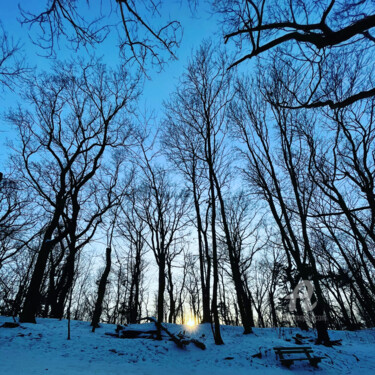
<point>43,348</point>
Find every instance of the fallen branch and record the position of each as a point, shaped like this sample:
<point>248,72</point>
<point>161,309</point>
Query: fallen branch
<point>133,334</point>
<point>180,339</point>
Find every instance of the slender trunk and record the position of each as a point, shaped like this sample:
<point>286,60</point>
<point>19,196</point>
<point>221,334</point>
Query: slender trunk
<point>101,291</point>
<point>69,312</point>
<point>172,302</point>
<point>161,290</point>
<point>207,296</point>
<point>273,309</point>
<point>205,289</point>
<point>67,282</point>
<point>32,301</point>
<point>243,303</point>
<point>216,327</point>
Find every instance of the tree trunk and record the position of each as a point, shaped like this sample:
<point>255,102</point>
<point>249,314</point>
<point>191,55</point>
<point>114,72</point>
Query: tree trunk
<point>161,290</point>
<point>216,328</point>
<point>273,309</point>
<point>101,291</point>
<point>172,302</point>
<point>242,300</point>
<point>67,283</point>
<point>32,301</point>
<point>205,288</point>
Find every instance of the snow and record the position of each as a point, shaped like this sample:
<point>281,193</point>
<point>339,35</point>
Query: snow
<point>43,349</point>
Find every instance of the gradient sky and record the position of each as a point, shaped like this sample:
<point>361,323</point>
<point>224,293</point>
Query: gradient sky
<point>196,27</point>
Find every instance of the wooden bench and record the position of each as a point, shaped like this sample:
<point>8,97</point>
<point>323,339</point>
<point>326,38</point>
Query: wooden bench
<point>281,351</point>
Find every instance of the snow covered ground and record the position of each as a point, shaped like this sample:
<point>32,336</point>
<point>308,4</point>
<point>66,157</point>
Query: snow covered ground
<point>43,349</point>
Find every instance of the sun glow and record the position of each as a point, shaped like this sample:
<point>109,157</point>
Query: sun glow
<point>190,323</point>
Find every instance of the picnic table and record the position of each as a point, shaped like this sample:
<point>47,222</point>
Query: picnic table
<point>285,352</point>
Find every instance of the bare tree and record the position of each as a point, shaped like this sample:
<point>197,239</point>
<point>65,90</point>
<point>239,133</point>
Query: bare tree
<point>163,208</point>
<point>141,38</point>
<point>199,105</point>
<point>76,117</point>
<point>103,279</point>
<point>184,149</point>
<point>134,230</point>
<point>288,190</point>
<point>243,223</point>
<point>342,166</point>
<point>16,219</point>
<point>321,39</point>
<point>12,63</point>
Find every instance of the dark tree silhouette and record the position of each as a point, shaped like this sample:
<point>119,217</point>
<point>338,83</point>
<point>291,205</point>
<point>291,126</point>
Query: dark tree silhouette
<point>163,208</point>
<point>319,38</point>
<point>142,38</point>
<point>12,63</point>
<point>77,117</point>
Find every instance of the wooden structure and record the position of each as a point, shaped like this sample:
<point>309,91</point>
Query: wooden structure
<point>285,352</point>
<point>180,339</point>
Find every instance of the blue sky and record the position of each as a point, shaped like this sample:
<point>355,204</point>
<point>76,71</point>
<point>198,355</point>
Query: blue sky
<point>196,27</point>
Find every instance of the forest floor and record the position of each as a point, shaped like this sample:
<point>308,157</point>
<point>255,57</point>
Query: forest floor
<point>43,348</point>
